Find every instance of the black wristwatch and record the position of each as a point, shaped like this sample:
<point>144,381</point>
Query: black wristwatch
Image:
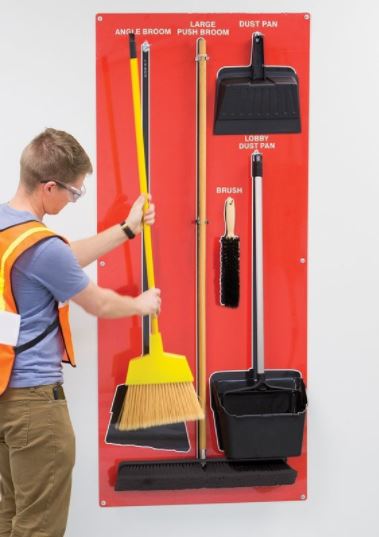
<point>126,229</point>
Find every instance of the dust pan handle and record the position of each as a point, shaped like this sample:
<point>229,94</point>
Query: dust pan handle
<point>141,164</point>
<point>257,57</point>
<point>257,299</point>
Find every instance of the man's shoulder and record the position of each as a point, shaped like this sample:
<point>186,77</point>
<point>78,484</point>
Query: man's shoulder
<point>51,253</point>
<point>12,217</point>
<point>53,247</point>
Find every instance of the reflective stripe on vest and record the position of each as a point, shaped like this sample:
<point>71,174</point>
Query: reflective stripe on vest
<point>14,241</point>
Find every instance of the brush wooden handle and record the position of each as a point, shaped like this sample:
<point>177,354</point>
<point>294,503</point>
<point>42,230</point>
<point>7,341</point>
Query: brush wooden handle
<point>134,72</point>
<point>230,217</point>
<point>202,223</point>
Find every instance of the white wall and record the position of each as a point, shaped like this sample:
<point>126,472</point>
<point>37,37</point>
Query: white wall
<point>47,61</point>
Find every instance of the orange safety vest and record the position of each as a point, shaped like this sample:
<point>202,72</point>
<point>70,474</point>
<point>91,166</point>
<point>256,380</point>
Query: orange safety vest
<point>14,241</point>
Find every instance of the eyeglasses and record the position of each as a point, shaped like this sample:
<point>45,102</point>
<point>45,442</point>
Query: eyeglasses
<point>76,193</point>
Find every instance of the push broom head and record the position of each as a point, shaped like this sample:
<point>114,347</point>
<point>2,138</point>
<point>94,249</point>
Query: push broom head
<point>160,390</point>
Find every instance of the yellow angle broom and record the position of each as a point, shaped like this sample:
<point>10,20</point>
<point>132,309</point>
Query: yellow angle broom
<point>160,384</point>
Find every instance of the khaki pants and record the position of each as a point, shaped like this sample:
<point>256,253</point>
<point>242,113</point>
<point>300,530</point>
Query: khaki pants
<point>37,454</point>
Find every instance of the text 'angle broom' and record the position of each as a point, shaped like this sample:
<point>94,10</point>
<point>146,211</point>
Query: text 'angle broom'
<point>160,384</point>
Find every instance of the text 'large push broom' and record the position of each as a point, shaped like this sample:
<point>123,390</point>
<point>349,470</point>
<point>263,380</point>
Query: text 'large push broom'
<point>160,384</point>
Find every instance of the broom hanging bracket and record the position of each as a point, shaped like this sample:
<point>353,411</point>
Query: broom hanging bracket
<point>201,57</point>
<point>199,222</point>
<point>145,47</point>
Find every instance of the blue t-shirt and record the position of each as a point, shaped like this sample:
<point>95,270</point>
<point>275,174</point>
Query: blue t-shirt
<point>46,273</point>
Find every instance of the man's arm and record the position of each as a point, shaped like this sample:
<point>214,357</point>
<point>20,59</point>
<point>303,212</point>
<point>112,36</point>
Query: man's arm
<point>107,304</point>
<point>88,250</point>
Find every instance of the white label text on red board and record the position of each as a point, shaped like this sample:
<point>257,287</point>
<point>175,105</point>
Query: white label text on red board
<point>143,31</point>
<point>256,141</point>
<point>258,24</point>
<point>229,190</point>
<point>203,28</point>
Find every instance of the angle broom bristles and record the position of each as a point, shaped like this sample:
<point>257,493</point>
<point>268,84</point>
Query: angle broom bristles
<point>161,404</point>
<point>160,389</point>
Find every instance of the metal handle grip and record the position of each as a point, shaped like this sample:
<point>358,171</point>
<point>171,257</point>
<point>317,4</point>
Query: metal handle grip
<point>257,298</point>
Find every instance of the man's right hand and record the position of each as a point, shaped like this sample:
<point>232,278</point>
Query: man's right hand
<point>149,302</point>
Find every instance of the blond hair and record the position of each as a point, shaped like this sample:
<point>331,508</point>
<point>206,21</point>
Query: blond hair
<point>53,155</point>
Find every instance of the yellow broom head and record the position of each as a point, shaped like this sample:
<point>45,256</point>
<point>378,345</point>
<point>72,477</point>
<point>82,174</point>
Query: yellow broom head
<point>160,390</point>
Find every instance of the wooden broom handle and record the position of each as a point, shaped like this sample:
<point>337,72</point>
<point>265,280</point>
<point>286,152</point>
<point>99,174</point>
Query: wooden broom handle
<point>230,217</point>
<point>202,223</point>
<point>142,168</point>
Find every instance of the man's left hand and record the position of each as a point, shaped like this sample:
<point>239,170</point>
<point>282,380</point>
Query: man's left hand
<point>137,217</point>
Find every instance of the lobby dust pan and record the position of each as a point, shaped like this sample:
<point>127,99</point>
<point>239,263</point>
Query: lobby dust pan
<point>258,98</point>
<point>258,414</point>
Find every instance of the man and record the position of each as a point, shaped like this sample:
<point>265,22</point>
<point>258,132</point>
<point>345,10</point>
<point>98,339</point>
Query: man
<point>38,270</point>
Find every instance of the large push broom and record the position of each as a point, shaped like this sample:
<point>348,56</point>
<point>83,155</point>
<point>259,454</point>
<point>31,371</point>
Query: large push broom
<point>160,384</point>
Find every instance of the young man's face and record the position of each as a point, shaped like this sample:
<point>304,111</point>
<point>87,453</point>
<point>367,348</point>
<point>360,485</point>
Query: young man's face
<point>56,195</point>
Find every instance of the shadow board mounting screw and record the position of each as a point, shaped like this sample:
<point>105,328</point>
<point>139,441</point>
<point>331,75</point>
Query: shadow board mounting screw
<point>99,18</point>
<point>102,263</point>
<point>103,503</point>
<point>199,222</point>
<point>303,497</point>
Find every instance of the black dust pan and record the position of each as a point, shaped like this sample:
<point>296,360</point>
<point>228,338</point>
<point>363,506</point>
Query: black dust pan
<point>258,98</point>
<point>258,414</point>
<point>171,437</point>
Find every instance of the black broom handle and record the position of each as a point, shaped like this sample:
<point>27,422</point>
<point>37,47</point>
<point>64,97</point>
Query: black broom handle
<point>257,298</point>
<point>145,76</point>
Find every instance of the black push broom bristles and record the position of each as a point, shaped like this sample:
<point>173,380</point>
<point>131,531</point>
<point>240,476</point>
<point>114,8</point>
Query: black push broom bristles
<point>211,474</point>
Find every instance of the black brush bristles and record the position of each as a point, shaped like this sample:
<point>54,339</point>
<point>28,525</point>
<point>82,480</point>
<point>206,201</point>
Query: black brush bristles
<point>230,271</point>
